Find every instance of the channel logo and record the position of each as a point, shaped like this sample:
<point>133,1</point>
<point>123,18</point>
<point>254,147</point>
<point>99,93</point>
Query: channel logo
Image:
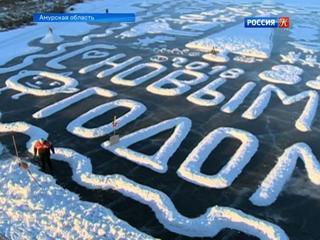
<point>266,22</point>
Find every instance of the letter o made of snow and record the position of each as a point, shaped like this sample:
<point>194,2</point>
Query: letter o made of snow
<point>68,87</point>
<point>190,168</point>
<point>120,77</point>
<point>76,126</point>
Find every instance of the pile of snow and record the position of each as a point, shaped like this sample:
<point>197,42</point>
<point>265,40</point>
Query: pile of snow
<point>51,38</point>
<point>238,40</point>
<point>283,74</point>
<point>30,211</point>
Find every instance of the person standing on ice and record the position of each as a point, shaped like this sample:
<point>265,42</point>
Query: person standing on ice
<point>42,150</point>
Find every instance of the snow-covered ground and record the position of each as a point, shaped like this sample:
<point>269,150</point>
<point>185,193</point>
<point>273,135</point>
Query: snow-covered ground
<point>44,210</point>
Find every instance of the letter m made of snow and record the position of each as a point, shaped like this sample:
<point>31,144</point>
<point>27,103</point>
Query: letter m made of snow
<point>271,186</point>
<point>303,123</point>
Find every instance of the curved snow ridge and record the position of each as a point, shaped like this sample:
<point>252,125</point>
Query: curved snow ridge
<point>51,212</point>
<point>272,185</point>
<point>27,61</point>
<point>76,126</point>
<point>66,102</point>
<point>158,161</point>
<point>283,74</point>
<point>190,169</point>
<point>182,86</point>
<point>69,86</point>
<point>120,77</point>
<point>55,63</point>
<point>207,225</point>
<point>303,123</point>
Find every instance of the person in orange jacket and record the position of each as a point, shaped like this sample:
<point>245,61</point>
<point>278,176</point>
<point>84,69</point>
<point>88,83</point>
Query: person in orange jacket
<point>42,150</point>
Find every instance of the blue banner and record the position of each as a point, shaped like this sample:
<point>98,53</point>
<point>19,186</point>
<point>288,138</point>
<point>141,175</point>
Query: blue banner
<point>84,17</point>
<point>261,22</point>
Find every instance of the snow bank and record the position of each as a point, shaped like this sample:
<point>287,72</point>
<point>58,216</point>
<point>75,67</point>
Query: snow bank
<point>190,168</point>
<point>283,74</point>
<point>76,126</point>
<point>66,102</point>
<point>158,161</point>
<point>69,86</point>
<point>305,120</point>
<point>182,86</point>
<point>51,212</point>
<point>272,185</point>
<point>238,40</point>
<point>120,77</point>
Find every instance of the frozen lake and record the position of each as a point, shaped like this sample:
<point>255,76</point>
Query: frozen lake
<point>234,116</point>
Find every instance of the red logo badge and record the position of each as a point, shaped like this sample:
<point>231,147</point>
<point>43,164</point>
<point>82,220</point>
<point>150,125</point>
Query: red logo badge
<point>283,22</point>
